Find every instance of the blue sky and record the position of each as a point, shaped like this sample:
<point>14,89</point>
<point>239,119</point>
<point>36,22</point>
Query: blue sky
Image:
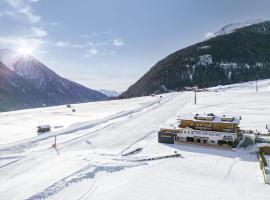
<point>110,44</point>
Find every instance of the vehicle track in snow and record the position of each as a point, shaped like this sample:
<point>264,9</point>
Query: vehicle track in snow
<point>30,142</point>
<point>156,114</point>
<point>111,158</point>
<point>229,171</point>
<point>112,125</point>
<point>87,172</point>
<point>84,137</point>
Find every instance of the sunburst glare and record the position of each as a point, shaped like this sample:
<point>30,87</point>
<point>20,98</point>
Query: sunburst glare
<point>25,51</point>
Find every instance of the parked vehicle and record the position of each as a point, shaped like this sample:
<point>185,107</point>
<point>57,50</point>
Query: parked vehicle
<point>43,128</point>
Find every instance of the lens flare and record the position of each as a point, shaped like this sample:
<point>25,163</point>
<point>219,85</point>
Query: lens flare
<point>25,51</point>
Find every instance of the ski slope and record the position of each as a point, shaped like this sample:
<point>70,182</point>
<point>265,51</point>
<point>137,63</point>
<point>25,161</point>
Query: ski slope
<point>89,163</point>
<point>22,124</point>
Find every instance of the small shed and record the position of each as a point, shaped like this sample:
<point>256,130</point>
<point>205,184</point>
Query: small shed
<point>43,128</point>
<point>264,148</point>
<point>165,136</point>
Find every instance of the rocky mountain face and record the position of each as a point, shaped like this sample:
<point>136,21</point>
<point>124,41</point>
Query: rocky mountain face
<point>237,56</point>
<point>16,92</point>
<point>48,87</point>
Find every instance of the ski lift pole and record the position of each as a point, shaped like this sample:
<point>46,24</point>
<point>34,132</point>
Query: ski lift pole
<point>54,145</point>
<point>195,97</point>
<point>256,81</point>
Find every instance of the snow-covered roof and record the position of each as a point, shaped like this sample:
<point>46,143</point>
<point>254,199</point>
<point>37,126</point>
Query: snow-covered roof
<point>44,126</point>
<point>263,145</point>
<point>187,128</point>
<point>211,118</point>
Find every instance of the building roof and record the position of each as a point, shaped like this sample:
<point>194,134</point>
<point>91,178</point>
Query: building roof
<point>263,145</point>
<point>44,126</point>
<point>211,118</point>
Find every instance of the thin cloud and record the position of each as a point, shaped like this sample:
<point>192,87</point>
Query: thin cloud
<point>99,44</point>
<point>91,52</point>
<point>33,18</point>
<point>118,42</point>
<point>86,35</point>
<point>99,52</point>
<point>15,42</point>
<point>38,32</point>
<point>96,34</point>
<point>20,40</point>
<point>62,44</point>
<point>84,45</point>
<point>53,24</point>
<point>93,48</point>
<point>24,8</point>
<point>68,44</point>
<point>7,13</point>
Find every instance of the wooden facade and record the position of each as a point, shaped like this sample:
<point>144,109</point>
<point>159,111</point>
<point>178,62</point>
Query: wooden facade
<point>265,149</point>
<point>209,129</point>
<point>210,126</point>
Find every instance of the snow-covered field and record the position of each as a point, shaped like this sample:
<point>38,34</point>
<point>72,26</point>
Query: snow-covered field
<point>18,125</point>
<point>89,163</point>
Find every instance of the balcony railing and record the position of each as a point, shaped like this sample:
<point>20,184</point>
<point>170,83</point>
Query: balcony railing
<point>228,138</point>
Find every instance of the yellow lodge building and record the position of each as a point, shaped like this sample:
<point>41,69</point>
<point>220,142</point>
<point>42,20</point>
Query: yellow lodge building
<point>211,122</point>
<point>207,129</point>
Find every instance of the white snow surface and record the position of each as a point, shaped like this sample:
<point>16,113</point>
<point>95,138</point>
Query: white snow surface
<point>205,60</point>
<point>233,26</point>
<point>88,161</point>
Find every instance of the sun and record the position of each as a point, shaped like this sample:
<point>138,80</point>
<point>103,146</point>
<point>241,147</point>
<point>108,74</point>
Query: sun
<point>25,51</point>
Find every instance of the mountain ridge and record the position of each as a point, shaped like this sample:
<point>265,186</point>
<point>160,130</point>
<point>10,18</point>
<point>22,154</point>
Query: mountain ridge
<point>242,55</point>
<point>109,93</point>
<point>51,88</point>
<point>229,28</point>
<point>15,91</point>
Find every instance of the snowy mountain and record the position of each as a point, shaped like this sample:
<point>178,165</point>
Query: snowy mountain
<point>53,89</point>
<point>241,55</point>
<point>16,92</point>
<point>233,26</point>
<point>110,93</point>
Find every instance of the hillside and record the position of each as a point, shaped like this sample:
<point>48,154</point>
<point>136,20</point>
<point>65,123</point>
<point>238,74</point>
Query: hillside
<point>49,87</point>
<point>15,91</point>
<point>238,56</point>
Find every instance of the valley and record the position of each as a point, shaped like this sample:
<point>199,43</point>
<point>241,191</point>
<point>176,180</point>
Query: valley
<point>88,162</point>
